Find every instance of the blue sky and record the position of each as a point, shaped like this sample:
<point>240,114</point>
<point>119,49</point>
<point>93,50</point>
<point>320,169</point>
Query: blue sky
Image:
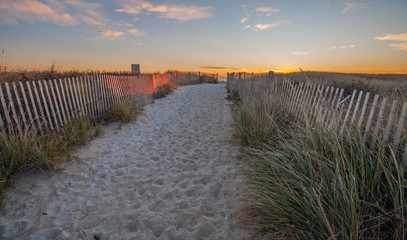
<point>210,36</point>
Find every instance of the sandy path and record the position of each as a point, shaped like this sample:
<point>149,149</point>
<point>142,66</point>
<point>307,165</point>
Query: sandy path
<point>169,175</point>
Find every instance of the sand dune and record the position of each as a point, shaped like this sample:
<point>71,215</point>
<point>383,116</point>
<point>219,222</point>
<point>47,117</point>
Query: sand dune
<point>172,174</point>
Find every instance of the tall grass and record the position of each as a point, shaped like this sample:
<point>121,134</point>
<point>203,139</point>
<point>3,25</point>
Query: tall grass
<point>23,152</point>
<point>124,111</point>
<point>306,182</point>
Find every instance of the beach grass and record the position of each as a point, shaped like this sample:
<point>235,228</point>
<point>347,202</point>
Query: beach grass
<point>20,153</point>
<point>306,182</point>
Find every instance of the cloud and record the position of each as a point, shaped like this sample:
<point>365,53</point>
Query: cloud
<point>399,46</point>
<point>244,20</point>
<point>185,13</point>
<point>136,32</point>
<point>402,37</point>
<point>55,11</point>
<point>393,37</point>
<point>220,68</point>
<point>350,7</point>
<point>88,13</point>
<point>262,27</point>
<point>33,11</point>
<point>112,35</point>
<point>302,53</point>
<point>267,10</point>
<point>177,12</point>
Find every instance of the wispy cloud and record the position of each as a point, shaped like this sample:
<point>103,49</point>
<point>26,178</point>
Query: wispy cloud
<point>110,34</point>
<point>35,11</point>
<point>394,37</point>
<point>402,37</point>
<point>302,53</point>
<point>88,13</point>
<point>267,10</point>
<point>262,27</point>
<point>399,46</point>
<point>343,46</point>
<point>177,12</point>
<point>59,12</point>
<point>245,19</point>
<point>136,32</point>
<point>351,6</point>
<point>220,68</point>
<point>185,13</point>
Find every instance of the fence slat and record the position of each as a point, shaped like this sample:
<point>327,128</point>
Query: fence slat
<point>390,121</point>
<point>355,112</point>
<point>37,117</point>
<point>62,110</point>
<point>75,106</point>
<point>378,124</point>
<point>89,96</point>
<point>45,105</point>
<point>57,107</point>
<point>323,103</point>
<point>13,109</point>
<point>67,99</point>
<point>5,108</point>
<point>80,93</point>
<point>27,107</point>
<point>326,104</point>
<point>348,111</point>
<point>20,106</point>
<point>370,119</point>
<point>75,91</point>
<point>104,90</point>
<point>362,114</point>
<point>332,108</point>
<point>54,116</point>
<point>399,128</point>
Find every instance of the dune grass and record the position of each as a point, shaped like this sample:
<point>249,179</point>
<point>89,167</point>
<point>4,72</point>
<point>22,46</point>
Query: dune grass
<point>306,182</point>
<point>20,153</point>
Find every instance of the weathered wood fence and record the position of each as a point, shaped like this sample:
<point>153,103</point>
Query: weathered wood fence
<point>379,120</point>
<point>50,104</point>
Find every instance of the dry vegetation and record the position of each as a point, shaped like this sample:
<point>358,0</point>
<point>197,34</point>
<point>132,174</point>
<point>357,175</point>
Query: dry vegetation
<point>24,152</point>
<point>393,86</point>
<point>307,182</point>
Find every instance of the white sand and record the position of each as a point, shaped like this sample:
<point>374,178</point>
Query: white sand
<point>172,174</point>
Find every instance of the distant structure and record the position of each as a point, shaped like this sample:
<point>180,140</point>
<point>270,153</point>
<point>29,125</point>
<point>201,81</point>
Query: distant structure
<point>135,69</point>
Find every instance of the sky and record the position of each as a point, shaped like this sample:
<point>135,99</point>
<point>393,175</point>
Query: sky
<point>216,36</point>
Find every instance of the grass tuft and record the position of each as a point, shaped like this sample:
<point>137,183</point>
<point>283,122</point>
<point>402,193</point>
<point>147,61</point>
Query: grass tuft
<point>124,111</point>
<point>306,182</point>
<point>162,91</point>
<point>21,153</point>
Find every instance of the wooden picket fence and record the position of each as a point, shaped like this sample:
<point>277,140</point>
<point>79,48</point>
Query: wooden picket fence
<point>50,104</point>
<point>379,120</point>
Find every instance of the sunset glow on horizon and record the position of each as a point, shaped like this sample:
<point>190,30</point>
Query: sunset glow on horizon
<point>351,36</point>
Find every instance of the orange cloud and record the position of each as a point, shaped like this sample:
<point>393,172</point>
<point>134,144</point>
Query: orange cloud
<point>177,12</point>
<point>32,11</point>
<point>261,27</point>
<point>107,33</point>
<point>393,37</point>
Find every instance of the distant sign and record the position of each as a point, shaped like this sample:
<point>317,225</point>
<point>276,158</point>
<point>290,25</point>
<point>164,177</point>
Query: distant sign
<point>135,68</point>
